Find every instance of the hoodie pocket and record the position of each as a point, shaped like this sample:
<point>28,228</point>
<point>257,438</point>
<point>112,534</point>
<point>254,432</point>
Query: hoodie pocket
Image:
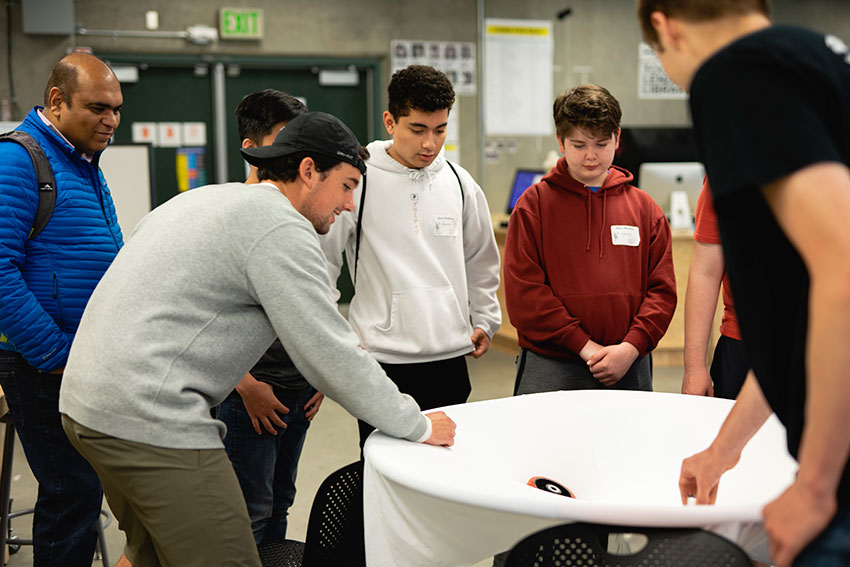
<point>423,322</point>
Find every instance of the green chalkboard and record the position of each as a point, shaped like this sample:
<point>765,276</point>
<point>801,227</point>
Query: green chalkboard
<point>349,104</point>
<point>167,94</point>
<point>180,89</point>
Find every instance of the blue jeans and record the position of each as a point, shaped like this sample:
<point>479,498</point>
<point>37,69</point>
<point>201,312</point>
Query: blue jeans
<point>832,547</point>
<point>266,464</point>
<point>69,495</point>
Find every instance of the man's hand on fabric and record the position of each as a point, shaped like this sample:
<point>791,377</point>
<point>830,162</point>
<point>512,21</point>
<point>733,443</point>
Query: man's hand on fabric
<point>442,429</point>
<point>794,519</point>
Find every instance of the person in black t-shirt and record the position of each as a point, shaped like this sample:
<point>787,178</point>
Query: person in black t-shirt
<point>269,412</point>
<point>771,112</point>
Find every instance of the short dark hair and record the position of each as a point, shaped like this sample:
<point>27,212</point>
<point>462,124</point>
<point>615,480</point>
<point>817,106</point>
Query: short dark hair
<point>65,77</point>
<point>588,107</point>
<point>694,11</point>
<point>285,169</point>
<point>258,112</point>
<point>420,87</point>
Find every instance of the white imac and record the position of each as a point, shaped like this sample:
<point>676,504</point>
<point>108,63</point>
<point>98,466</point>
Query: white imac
<point>663,179</point>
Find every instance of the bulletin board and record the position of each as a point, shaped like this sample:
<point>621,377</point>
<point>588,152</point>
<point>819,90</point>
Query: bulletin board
<point>128,172</point>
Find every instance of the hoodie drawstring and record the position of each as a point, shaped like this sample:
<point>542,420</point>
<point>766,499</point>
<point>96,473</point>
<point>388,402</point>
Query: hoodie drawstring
<point>587,207</point>
<point>417,174</point>
<point>602,230</point>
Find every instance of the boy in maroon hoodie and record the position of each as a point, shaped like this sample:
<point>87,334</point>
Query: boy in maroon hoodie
<point>588,263</point>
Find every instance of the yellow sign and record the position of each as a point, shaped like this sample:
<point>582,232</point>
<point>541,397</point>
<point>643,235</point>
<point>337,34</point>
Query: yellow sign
<point>517,30</point>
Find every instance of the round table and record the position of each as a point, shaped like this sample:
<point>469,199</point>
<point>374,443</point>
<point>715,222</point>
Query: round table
<point>619,452</point>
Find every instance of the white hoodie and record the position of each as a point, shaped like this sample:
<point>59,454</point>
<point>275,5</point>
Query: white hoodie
<point>428,268</point>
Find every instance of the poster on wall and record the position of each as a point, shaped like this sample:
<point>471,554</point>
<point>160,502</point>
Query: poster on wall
<point>195,133</point>
<point>145,132</point>
<point>455,59</point>
<point>169,134</point>
<point>451,146</point>
<point>653,82</point>
<point>191,168</point>
<point>518,59</point>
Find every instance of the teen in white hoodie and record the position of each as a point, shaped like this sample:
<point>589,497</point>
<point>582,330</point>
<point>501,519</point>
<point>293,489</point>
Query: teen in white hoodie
<point>424,261</point>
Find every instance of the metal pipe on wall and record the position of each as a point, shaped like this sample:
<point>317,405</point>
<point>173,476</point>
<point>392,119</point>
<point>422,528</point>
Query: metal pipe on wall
<point>149,34</point>
<point>370,104</point>
<point>219,123</point>
<point>480,95</point>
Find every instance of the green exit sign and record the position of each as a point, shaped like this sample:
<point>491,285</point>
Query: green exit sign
<point>241,23</point>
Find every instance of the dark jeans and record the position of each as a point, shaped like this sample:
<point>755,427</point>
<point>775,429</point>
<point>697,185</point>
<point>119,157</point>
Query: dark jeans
<point>69,495</point>
<point>832,547</point>
<point>266,465</point>
<point>432,384</point>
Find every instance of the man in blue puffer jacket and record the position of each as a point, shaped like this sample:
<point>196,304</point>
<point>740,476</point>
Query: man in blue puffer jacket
<point>45,283</point>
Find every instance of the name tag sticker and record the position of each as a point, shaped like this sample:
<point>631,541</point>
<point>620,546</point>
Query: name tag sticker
<point>445,226</point>
<point>625,235</point>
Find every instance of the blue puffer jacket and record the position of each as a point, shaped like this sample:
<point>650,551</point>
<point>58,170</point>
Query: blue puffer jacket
<point>46,282</point>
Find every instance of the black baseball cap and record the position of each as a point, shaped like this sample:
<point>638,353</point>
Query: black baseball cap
<point>313,132</point>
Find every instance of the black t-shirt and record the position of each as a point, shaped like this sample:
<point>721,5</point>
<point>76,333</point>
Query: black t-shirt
<point>276,368</point>
<point>765,106</point>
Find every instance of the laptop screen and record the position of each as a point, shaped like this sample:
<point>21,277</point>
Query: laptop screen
<point>523,179</point>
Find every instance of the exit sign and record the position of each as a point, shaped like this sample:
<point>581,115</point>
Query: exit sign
<point>241,23</point>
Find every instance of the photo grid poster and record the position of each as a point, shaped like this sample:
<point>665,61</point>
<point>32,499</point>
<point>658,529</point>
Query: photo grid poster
<point>653,82</point>
<point>455,59</point>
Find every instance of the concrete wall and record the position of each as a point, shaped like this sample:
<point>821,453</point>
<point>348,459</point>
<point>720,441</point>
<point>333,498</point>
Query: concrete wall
<point>600,34</point>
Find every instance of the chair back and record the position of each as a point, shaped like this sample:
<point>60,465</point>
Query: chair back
<point>586,545</point>
<point>335,527</point>
<point>288,553</point>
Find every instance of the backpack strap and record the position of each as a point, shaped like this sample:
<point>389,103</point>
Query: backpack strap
<point>459,184</point>
<point>358,230</point>
<point>44,178</point>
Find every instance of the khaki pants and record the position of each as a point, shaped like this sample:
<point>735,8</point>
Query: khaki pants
<point>177,507</point>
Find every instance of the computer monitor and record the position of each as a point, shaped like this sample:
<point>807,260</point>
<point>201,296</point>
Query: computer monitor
<point>523,179</point>
<point>660,179</point>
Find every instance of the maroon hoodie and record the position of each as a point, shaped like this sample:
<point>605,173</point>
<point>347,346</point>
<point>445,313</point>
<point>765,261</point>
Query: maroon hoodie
<point>570,277</point>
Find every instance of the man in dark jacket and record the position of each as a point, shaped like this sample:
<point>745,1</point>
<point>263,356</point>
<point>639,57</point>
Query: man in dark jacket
<point>45,282</point>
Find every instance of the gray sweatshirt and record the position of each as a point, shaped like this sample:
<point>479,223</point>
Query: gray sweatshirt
<point>192,301</point>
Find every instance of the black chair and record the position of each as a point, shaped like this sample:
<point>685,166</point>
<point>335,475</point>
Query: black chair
<point>335,527</point>
<point>334,530</point>
<point>585,545</point>
<point>288,553</point>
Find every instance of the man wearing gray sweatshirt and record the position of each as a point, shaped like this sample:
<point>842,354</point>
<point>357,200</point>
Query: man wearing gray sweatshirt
<point>199,292</point>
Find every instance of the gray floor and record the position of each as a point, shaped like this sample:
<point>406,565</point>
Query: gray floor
<point>331,444</point>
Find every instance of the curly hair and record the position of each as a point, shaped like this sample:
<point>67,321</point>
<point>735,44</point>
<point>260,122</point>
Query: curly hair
<point>694,11</point>
<point>588,107</point>
<point>286,168</point>
<point>258,112</point>
<point>419,87</point>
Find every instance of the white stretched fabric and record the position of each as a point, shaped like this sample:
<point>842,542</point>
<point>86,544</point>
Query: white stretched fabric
<point>620,453</point>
